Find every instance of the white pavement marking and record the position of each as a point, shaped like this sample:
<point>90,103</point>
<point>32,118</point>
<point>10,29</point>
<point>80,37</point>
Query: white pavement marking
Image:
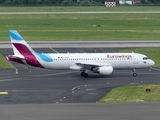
<point>77,87</point>
<point>155,69</point>
<point>90,89</point>
<point>92,93</point>
<point>16,70</point>
<point>134,83</point>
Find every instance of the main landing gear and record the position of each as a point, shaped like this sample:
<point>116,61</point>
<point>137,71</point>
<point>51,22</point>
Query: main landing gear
<point>85,75</point>
<point>134,73</point>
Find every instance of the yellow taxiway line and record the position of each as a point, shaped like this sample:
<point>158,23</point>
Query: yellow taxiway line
<point>53,50</point>
<point>3,93</point>
<point>45,75</point>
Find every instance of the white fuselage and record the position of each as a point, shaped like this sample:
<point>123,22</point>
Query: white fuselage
<point>116,60</point>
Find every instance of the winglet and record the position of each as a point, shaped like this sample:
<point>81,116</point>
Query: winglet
<point>15,35</point>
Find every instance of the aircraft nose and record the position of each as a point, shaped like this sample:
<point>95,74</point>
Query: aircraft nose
<point>152,63</point>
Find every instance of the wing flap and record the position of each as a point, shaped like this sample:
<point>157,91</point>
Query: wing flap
<point>86,64</point>
<point>89,66</point>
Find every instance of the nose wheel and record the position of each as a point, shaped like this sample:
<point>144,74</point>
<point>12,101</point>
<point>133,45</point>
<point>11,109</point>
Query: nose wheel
<point>85,75</point>
<point>134,74</point>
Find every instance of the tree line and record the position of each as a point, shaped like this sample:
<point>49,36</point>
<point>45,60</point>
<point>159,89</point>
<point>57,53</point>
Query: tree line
<point>150,1</point>
<point>65,2</point>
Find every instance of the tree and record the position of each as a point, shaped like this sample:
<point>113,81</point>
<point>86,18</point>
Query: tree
<point>39,1</point>
<point>155,1</point>
<point>8,2</point>
<point>24,1</point>
<point>67,2</point>
<point>145,1</point>
<point>16,2</point>
<point>99,1</point>
<point>47,2</point>
<point>84,3</point>
<point>2,1</point>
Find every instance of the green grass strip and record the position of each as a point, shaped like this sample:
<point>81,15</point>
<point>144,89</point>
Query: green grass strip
<point>152,53</point>
<point>4,64</point>
<point>134,93</point>
<point>98,27</point>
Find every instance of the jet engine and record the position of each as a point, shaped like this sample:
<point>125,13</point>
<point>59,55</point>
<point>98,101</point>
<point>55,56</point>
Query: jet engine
<point>108,70</point>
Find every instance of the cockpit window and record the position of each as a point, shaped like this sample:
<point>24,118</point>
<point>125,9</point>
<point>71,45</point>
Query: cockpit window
<point>145,58</point>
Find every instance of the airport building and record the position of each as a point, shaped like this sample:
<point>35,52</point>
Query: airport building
<point>129,2</point>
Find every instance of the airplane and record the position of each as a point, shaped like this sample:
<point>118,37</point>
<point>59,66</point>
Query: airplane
<point>102,63</point>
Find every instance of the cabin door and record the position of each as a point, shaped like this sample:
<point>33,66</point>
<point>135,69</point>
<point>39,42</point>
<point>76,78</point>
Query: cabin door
<point>135,59</point>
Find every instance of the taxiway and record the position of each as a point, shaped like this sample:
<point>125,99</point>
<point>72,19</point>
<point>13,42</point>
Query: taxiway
<point>38,94</point>
<point>35,85</point>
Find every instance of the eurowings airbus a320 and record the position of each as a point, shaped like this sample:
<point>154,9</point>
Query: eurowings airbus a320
<point>102,63</point>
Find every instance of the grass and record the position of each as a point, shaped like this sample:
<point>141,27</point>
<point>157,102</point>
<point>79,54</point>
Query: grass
<point>104,27</point>
<point>84,27</point>
<point>134,93</point>
<point>78,8</point>
<point>152,53</point>
<point>4,64</point>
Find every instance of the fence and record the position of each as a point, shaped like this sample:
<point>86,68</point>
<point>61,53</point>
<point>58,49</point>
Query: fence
<point>110,4</point>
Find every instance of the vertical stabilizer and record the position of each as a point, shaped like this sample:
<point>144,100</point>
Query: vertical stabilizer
<point>19,45</point>
<point>23,53</point>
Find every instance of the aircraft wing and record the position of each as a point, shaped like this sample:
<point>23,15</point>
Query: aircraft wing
<point>87,65</point>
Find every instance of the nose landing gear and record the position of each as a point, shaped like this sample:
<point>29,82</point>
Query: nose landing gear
<point>134,73</point>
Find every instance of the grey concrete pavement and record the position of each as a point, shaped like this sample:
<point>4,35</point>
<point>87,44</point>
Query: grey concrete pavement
<point>88,44</point>
<point>110,111</point>
<point>39,94</point>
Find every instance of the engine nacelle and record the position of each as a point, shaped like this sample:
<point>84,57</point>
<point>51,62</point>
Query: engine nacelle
<point>108,70</point>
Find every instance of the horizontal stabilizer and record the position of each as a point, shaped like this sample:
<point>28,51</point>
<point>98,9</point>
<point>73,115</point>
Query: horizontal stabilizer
<point>15,57</point>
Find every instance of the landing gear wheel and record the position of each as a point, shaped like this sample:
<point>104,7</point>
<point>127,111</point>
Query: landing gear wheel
<point>85,75</point>
<point>82,74</point>
<point>134,75</point>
